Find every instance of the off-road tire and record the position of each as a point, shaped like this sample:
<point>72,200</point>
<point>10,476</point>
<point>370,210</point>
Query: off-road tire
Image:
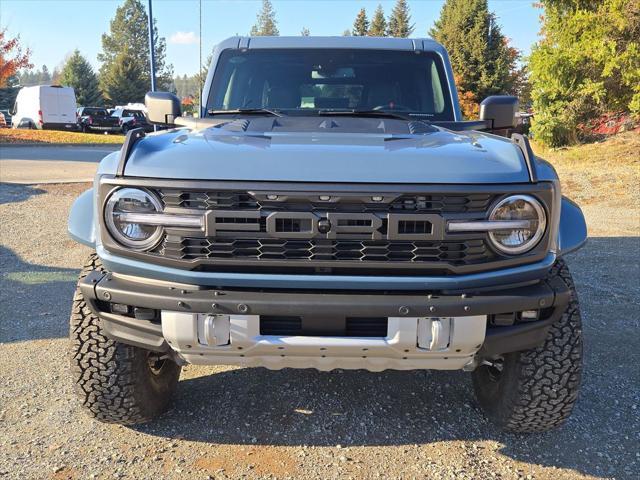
<point>115,381</point>
<point>537,389</point>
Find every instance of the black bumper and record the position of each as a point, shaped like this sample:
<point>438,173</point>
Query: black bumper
<point>550,297</point>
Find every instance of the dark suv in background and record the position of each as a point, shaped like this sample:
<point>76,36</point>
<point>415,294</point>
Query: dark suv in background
<point>96,119</point>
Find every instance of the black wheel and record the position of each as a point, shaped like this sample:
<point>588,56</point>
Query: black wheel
<point>535,390</point>
<point>116,383</point>
<point>125,128</point>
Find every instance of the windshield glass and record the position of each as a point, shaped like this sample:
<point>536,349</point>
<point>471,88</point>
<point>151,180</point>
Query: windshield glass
<point>96,112</point>
<point>308,80</point>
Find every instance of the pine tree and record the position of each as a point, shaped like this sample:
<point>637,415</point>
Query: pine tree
<point>79,74</point>
<point>400,20</point>
<point>124,82</point>
<point>129,33</point>
<point>482,60</point>
<point>265,21</point>
<point>378,24</point>
<point>45,76</point>
<point>361,24</point>
<point>305,32</point>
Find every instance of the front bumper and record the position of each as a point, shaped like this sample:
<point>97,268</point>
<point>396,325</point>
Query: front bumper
<point>186,309</point>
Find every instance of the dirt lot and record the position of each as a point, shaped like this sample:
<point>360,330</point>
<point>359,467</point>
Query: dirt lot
<point>254,423</point>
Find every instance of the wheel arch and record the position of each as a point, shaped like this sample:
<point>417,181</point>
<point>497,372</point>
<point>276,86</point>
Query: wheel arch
<point>572,233</point>
<point>81,223</point>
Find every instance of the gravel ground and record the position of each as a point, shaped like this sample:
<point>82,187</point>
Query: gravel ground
<point>253,423</point>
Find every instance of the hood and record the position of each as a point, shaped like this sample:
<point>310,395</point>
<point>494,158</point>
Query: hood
<point>335,150</point>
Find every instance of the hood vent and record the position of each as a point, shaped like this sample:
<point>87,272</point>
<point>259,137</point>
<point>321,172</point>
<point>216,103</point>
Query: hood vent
<point>239,125</point>
<point>417,127</point>
<point>328,124</point>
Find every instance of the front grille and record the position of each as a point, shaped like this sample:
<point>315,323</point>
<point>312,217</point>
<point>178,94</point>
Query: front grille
<point>342,231</point>
<point>242,200</point>
<point>454,252</point>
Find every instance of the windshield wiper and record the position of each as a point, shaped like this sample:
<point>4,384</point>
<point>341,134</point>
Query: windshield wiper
<point>246,111</point>
<point>366,113</point>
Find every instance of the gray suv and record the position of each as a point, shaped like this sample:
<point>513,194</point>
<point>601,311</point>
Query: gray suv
<point>329,209</point>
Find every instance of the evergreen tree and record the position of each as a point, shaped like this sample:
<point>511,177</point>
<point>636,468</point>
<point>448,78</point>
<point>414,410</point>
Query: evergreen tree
<point>586,64</point>
<point>305,32</point>
<point>346,33</point>
<point>400,20</point>
<point>378,23</point>
<point>129,33</point>
<point>361,24</point>
<point>481,57</point>
<point>265,21</point>
<point>79,74</point>
<point>45,76</point>
<point>124,82</point>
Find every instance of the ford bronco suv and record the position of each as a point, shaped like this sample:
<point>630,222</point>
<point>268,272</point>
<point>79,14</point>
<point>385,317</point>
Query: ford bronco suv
<point>329,209</point>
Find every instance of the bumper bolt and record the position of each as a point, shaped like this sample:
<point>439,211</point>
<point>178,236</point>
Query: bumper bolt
<point>214,306</point>
<point>106,296</point>
<point>467,308</point>
<point>432,309</point>
<point>542,302</point>
<point>242,308</point>
<point>181,304</point>
<point>403,310</point>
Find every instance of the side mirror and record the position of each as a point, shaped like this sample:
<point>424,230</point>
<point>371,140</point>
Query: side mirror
<point>162,107</point>
<point>499,111</point>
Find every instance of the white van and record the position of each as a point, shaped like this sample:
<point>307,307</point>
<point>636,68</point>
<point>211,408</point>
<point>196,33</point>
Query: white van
<point>45,107</point>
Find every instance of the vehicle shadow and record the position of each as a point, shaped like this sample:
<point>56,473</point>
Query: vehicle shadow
<point>357,408</point>
<point>15,193</point>
<point>35,301</point>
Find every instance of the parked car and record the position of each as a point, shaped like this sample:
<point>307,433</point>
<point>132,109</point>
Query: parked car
<point>96,119</point>
<point>48,107</point>
<point>5,119</point>
<point>330,209</point>
<point>129,119</point>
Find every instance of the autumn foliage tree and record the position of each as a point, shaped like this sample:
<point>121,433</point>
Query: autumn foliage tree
<point>12,57</point>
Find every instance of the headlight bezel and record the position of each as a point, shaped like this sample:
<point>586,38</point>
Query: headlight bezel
<point>532,242</point>
<point>138,245</point>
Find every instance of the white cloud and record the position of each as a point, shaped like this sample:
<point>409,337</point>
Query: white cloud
<point>183,38</point>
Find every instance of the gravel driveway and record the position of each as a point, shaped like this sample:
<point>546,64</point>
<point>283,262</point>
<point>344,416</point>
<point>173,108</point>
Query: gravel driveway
<point>233,422</point>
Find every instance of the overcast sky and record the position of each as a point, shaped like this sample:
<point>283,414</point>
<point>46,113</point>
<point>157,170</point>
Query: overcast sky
<point>54,28</point>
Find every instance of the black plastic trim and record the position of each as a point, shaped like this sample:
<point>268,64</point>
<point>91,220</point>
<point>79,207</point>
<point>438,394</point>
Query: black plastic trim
<point>133,136</point>
<point>523,142</point>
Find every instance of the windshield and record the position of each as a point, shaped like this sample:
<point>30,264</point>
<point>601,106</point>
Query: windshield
<point>305,81</point>
<point>96,112</point>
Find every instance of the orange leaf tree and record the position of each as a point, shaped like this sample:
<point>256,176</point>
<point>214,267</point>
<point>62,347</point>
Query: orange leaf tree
<point>12,58</point>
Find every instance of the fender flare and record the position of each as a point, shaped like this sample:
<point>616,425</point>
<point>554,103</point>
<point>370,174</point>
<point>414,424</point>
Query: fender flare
<point>572,233</point>
<point>81,223</point>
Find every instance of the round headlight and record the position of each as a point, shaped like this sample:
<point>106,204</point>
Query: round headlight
<point>518,240</point>
<point>123,227</point>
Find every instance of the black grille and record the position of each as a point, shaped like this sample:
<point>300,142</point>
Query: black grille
<point>462,252</point>
<point>240,200</point>
<point>344,327</point>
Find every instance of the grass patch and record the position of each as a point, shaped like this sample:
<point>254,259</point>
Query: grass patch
<point>604,172</point>
<point>39,278</point>
<point>17,137</point>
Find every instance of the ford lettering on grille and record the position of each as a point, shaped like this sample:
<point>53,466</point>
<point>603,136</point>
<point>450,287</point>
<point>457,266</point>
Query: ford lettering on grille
<point>330,225</point>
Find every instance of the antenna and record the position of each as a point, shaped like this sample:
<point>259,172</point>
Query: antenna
<point>200,58</point>
<point>152,53</point>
